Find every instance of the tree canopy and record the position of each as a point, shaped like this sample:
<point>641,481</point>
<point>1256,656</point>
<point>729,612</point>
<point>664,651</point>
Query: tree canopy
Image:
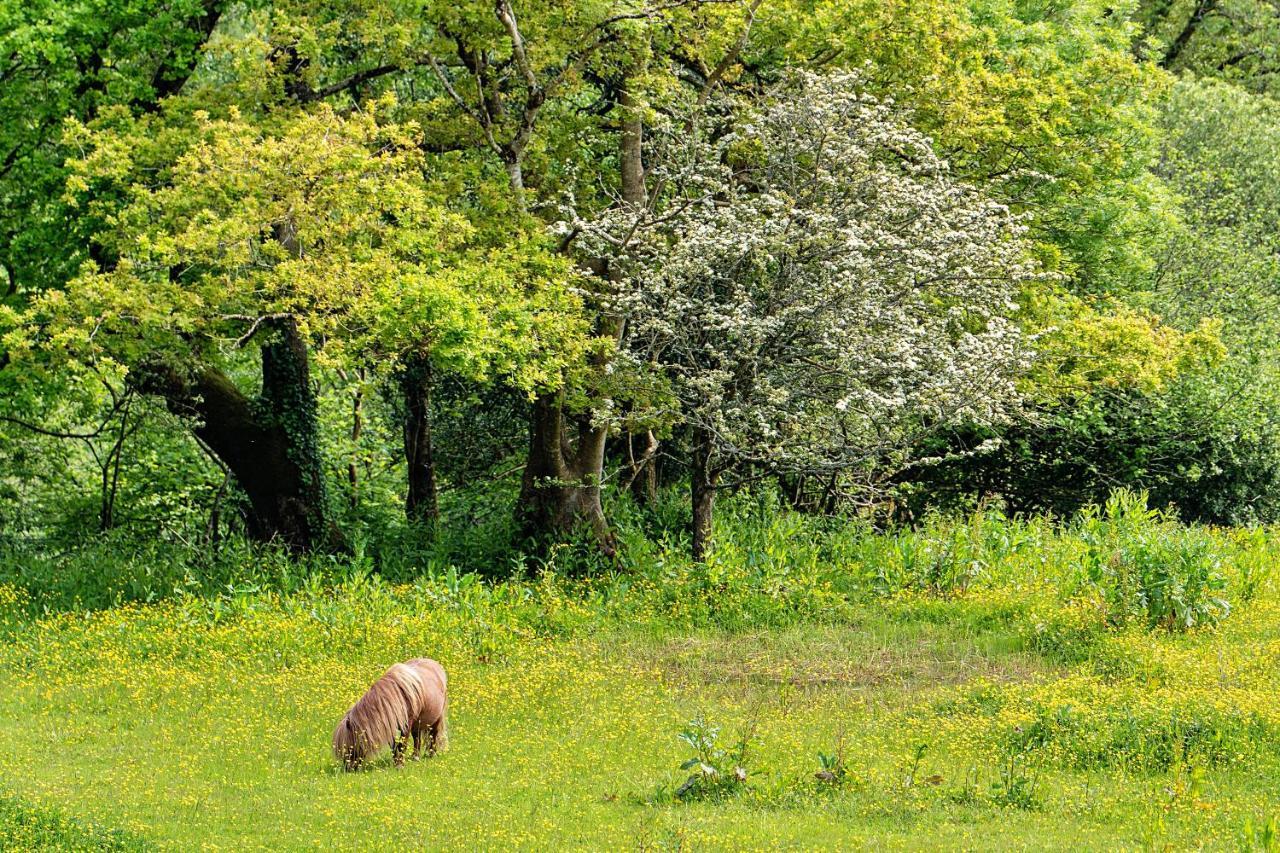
<point>797,240</point>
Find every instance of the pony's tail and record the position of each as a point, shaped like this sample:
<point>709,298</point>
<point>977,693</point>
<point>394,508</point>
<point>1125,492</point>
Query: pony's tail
<point>441,741</point>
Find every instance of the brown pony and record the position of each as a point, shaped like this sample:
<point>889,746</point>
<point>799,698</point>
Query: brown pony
<point>409,699</point>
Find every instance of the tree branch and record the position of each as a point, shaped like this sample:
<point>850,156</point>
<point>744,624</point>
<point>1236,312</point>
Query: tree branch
<point>52,433</point>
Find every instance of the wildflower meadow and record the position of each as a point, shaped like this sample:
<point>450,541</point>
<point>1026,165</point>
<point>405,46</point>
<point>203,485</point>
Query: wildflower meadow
<point>639,424</point>
<point>967,683</point>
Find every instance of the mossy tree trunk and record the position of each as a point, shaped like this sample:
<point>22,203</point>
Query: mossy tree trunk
<point>421,503</point>
<point>270,443</point>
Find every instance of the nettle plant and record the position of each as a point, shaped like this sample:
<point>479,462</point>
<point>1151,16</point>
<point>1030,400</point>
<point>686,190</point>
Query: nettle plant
<point>813,285</point>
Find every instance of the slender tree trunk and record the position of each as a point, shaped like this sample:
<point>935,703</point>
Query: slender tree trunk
<point>643,471</point>
<point>515,177</point>
<point>111,474</point>
<point>632,149</point>
<point>357,429</point>
<point>832,497</point>
<point>421,504</point>
<point>702,491</point>
<point>792,488</point>
<point>270,445</point>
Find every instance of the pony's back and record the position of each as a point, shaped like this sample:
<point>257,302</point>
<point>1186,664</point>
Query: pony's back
<point>431,667</point>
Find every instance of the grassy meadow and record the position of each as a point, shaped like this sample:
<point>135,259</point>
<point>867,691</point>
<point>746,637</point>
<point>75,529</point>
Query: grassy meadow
<point>793,425</point>
<point>985,683</point>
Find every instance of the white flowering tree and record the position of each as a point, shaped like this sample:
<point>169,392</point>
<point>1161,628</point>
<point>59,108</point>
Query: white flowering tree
<point>814,286</point>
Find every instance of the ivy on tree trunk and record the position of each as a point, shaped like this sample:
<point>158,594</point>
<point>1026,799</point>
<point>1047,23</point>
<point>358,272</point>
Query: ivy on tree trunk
<point>270,444</point>
<point>415,383</point>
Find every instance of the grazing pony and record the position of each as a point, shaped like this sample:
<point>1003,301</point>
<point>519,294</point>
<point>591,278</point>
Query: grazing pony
<point>409,699</point>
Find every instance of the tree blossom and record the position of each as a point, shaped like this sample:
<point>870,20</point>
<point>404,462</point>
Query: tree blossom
<point>813,284</point>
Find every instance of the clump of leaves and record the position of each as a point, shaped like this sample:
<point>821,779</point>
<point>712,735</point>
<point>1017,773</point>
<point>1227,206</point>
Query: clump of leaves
<point>1146,568</point>
<point>831,767</point>
<point>1016,783</point>
<point>717,771</point>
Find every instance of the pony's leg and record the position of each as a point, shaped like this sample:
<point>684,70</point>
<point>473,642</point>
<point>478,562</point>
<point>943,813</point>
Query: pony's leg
<point>417,739</point>
<point>440,731</point>
<point>397,751</point>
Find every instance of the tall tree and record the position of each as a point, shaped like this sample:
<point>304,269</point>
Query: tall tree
<point>520,76</point>
<point>304,228</point>
<point>815,287</point>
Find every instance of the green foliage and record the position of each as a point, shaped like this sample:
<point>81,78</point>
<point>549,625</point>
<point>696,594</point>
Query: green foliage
<point>1095,349</point>
<point>71,60</point>
<point>1205,444</point>
<point>773,569</point>
<point>717,771</point>
<point>1045,98</point>
<point>943,561</point>
<point>323,217</point>
<point>356,133</point>
<point>1146,567</point>
<point>1235,40</point>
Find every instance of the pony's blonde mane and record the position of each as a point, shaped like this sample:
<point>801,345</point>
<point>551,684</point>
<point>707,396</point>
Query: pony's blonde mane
<point>383,714</point>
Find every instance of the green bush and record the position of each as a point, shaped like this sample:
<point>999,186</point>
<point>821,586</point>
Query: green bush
<point>1146,567</point>
<point>1207,444</point>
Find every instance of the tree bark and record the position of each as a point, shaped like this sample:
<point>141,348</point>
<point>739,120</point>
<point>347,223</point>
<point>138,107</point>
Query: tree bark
<point>632,149</point>
<point>643,471</point>
<point>702,491</point>
<point>269,444</point>
<point>560,489</point>
<point>416,379</point>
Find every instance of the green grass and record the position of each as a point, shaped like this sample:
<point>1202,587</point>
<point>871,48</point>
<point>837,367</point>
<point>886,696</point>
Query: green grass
<point>210,734</point>
<point>26,827</point>
<point>1015,710</point>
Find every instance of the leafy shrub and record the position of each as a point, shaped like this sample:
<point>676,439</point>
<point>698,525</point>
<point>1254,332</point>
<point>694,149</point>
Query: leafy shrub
<point>1208,444</point>
<point>1146,567</point>
<point>942,558</point>
<point>716,771</point>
